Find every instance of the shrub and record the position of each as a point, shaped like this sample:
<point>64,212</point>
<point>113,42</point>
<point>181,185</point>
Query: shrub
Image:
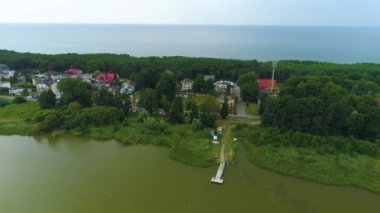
<point>196,125</point>
<point>3,102</point>
<point>19,100</point>
<point>143,115</point>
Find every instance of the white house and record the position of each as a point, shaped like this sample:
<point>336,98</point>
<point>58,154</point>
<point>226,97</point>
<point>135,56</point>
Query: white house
<point>128,87</point>
<point>16,91</point>
<point>5,85</point>
<point>7,73</point>
<point>3,67</point>
<point>42,88</point>
<point>222,85</point>
<point>55,90</point>
<point>186,85</point>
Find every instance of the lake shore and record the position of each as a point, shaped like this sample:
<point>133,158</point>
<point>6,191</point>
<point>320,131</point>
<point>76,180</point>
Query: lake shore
<point>186,146</point>
<point>340,169</point>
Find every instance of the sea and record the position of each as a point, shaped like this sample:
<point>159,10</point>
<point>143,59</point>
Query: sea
<point>263,43</point>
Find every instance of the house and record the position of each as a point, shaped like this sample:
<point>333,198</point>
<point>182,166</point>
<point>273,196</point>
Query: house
<point>55,76</point>
<point>230,101</point>
<point>107,78</point>
<point>73,72</point>
<point>5,84</point>
<point>16,91</point>
<point>41,87</point>
<point>86,76</point>
<point>21,78</point>
<point>55,90</point>
<point>222,85</point>
<point>3,67</point>
<point>128,87</point>
<point>7,74</point>
<point>186,85</point>
<point>266,84</point>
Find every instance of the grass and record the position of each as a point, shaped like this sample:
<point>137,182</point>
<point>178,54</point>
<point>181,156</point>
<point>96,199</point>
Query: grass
<point>15,118</point>
<point>186,146</point>
<point>251,108</point>
<point>306,163</point>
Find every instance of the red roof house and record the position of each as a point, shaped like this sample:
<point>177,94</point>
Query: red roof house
<point>266,84</point>
<point>106,78</point>
<point>73,72</point>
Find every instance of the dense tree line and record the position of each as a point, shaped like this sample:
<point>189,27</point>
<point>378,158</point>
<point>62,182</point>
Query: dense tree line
<point>76,117</point>
<point>249,90</point>
<point>145,70</point>
<point>321,105</point>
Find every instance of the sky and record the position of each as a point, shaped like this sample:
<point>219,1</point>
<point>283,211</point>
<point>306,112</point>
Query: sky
<point>199,12</point>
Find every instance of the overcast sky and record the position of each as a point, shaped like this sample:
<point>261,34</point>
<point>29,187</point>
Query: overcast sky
<point>208,12</point>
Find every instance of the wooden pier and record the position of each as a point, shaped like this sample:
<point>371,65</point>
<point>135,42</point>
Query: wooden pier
<point>218,177</point>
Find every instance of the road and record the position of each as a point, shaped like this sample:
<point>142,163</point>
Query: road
<point>240,109</point>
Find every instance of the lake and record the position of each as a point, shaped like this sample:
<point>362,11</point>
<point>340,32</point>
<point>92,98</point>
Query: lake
<point>333,44</point>
<point>38,175</point>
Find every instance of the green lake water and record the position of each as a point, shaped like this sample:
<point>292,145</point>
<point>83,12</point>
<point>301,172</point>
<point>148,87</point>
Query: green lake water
<point>75,175</point>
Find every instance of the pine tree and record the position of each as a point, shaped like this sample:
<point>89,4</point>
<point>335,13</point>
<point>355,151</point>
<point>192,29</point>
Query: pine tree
<point>224,110</point>
<point>176,112</point>
<point>194,111</point>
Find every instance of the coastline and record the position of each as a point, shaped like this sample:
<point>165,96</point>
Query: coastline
<point>186,146</point>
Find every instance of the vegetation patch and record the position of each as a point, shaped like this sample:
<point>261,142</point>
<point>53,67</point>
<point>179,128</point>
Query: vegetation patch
<point>329,160</point>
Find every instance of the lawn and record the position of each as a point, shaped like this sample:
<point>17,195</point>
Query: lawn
<point>251,108</point>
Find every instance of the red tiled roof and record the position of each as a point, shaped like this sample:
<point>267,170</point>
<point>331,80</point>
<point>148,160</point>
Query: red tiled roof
<point>73,71</point>
<point>106,77</point>
<point>267,84</point>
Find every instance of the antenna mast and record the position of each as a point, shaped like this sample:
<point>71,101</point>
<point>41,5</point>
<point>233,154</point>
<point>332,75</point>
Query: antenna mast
<point>274,65</point>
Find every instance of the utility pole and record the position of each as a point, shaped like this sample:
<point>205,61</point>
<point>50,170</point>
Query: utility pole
<point>274,65</point>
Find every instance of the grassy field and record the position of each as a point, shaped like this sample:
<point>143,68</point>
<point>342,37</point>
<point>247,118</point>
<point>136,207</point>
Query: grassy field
<point>186,146</point>
<point>251,108</point>
<point>15,119</point>
<point>307,163</point>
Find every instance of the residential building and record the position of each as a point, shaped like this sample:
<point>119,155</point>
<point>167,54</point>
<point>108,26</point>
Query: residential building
<point>186,85</point>
<point>73,72</point>
<point>16,91</point>
<point>7,74</point>
<point>3,67</point>
<point>107,78</point>
<point>5,84</point>
<point>222,85</point>
<point>128,87</point>
<point>55,90</point>
<point>266,84</point>
<point>41,87</point>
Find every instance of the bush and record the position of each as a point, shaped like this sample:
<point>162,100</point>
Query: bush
<point>3,102</point>
<point>152,124</point>
<point>19,100</point>
<point>196,125</point>
<point>143,115</point>
<point>77,119</point>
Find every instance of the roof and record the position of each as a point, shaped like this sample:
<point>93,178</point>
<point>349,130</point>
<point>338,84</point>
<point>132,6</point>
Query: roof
<point>53,73</point>
<point>187,80</point>
<point>73,71</point>
<point>267,84</point>
<point>106,77</point>
<point>4,66</point>
<point>129,82</point>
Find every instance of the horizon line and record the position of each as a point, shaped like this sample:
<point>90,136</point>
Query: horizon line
<point>185,24</point>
